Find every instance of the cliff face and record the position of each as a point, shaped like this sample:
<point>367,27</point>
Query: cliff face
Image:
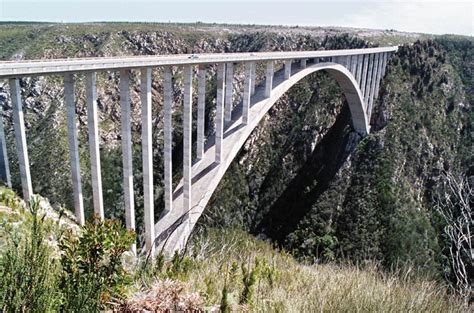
<point>304,178</point>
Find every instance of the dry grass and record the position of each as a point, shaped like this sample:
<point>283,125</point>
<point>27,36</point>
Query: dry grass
<point>221,257</point>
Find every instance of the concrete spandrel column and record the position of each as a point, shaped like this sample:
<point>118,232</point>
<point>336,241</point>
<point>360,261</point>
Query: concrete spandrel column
<point>254,78</point>
<point>147,159</point>
<point>287,69</point>
<point>247,91</point>
<point>384,64</point>
<point>4,163</point>
<point>127,148</point>
<point>269,79</point>
<point>201,111</point>
<point>376,76</point>
<point>369,80</point>
<point>93,128</point>
<point>354,65</point>
<point>229,80</point>
<point>187,137</point>
<point>168,134</point>
<point>303,63</point>
<point>360,63</point>
<point>73,147</point>
<point>364,74</point>
<point>20,139</point>
<point>220,111</point>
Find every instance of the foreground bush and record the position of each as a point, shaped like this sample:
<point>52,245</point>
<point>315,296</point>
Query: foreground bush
<point>29,274</point>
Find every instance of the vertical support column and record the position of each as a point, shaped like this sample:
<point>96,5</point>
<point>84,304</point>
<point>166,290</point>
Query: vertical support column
<point>229,79</point>
<point>384,64</point>
<point>303,63</point>
<point>360,63</point>
<point>353,65</point>
<point>147,159</point>
<point>20,138</point>
<point>201,110</point>
<point>364,74</point>
<point>73,147</point>
<point>4,163</point>
<point>93,127</point>
<point>269,79</point>
<point>127,148</point>
<point>220,111</point>
<point>168,133</point>
<point>253,75</point>
<point>247,91</point>
<point>287,69</point>
<point>369,80</point>
<point>187,137</point>
<point>375,78</point>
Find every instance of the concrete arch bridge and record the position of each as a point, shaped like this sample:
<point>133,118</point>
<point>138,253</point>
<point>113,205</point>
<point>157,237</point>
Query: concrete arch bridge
<point>357,71</point>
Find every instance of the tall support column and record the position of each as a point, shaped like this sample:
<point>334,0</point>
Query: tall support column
<point>364,74</point>
<point>254,77</point>
<point>247,91</point>
<point>269,79</point>
<point>4,163</point>
<point>353,65</point>
<point>220,111</point>
<point>127,148</point>
<point>201,110</point>
<point>369,80</point>
<point>73,147</point>
<point>187,137</point>
<point>287,69</point>
<point>360,63</point>
<point>229,79</point>
<point>303,63</point>
<point>20,138</point>
<point>375,79</point>
<point>93,127</point>
<point>168,134</point>
<point>384,64</point>
<point>147,159</point>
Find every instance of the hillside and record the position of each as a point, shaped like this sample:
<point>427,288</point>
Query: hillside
<point>304,180</point>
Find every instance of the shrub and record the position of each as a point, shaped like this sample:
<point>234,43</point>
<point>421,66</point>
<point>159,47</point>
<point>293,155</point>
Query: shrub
<point>28,272</point>
<point>92,269</point>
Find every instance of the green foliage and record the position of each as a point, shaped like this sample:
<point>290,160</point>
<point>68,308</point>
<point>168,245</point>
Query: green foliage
<point>28,272</point>
<point>92,264</point>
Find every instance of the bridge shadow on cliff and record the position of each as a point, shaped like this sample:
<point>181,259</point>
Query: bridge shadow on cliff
<point>295,201</point>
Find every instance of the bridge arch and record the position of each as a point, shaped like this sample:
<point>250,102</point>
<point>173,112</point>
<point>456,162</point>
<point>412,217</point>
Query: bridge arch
<point>173,229</point>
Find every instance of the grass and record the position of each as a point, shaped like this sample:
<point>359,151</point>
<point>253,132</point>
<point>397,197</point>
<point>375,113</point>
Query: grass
<point>234,271</point>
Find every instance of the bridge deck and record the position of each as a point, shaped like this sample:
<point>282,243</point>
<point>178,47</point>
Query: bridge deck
<point>55,66</point>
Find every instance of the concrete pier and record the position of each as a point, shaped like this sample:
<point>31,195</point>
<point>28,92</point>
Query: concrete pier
<point>168,138</point>
<point>269,79</point>
<point>360,64</point>
<point>20,139</point>
<point>127,159</point>
<point>229,81</point>
<point>247,91</point>
<point>364,74</point>
<point>369,80</point>
<point>219,111</point>
<point>254,78</point>
<point>147,159</point>
<point>354,65</point>
<point>288,69</point>
<point>187,136</point>
<point>201,111</point>
<point>4,163</point>
<point>303,63</point>
<point>93,127</point>
<point>73,147</point>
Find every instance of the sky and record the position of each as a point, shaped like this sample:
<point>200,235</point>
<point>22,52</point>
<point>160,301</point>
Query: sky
<point>426,16</point>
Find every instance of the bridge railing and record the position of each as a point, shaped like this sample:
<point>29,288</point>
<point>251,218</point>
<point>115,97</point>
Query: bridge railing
<point>367,66</point>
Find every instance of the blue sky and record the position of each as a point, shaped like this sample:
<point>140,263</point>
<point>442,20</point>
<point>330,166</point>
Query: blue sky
<point>439,17</point>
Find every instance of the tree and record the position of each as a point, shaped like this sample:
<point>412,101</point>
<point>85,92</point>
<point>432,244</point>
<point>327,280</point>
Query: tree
<point>454,203</point>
